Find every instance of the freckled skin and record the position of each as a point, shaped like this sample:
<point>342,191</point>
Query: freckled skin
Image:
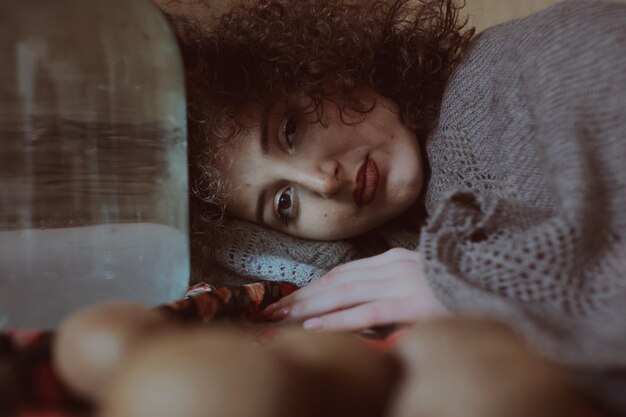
<point>319,166</point>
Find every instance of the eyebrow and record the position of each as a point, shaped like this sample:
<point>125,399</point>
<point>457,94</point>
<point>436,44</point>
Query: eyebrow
<point>263,135</point>
<point>260,205</point>
<point>264,142</point>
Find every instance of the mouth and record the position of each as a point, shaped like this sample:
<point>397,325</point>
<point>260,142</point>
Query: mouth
<point>366,183</point>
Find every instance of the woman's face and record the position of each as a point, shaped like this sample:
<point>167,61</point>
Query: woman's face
<point>327,180</point>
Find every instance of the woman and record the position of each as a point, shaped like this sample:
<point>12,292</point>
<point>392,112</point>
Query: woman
<point>326,120</point>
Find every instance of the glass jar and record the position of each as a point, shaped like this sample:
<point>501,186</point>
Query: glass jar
<point>93,158</point>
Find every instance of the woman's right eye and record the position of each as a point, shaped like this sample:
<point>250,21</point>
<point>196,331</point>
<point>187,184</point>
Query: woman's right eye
<point>285,205</point>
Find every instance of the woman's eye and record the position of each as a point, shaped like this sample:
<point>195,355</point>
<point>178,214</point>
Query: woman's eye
<point>285,207</point>
<point>290,127</point>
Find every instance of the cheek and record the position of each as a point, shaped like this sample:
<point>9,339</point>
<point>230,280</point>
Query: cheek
<point>320,221</point>
<point>325,216</point>
<point>332,222</point>
<point>241,203</point>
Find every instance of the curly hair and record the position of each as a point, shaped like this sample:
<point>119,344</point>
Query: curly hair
<point>267,49</point>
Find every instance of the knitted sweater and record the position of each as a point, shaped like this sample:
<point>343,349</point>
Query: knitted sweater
<point>527,195</point>
<point>527,200</point>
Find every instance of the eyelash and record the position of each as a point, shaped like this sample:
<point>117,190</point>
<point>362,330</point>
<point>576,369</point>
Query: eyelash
<point>288,128</point>
<point>277,202</point>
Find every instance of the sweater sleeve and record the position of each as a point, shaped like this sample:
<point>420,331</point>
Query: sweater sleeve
<point>555,272</point>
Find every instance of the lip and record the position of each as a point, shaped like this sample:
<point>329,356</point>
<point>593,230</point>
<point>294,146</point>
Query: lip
<point>366,183</point>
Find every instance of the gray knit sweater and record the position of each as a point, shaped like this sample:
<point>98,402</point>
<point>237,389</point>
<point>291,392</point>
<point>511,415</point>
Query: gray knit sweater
<point>527,197</point>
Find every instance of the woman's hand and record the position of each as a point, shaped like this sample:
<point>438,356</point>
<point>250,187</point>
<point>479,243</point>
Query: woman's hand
<point>385,289</point>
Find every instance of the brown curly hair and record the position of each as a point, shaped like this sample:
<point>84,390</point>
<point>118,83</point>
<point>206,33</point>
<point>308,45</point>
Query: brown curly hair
<point>267,49</point>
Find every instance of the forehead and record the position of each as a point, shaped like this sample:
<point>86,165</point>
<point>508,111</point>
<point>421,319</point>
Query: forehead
<point>236,134</point>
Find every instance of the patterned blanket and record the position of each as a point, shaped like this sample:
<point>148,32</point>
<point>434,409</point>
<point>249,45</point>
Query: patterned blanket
<point>29,386</point>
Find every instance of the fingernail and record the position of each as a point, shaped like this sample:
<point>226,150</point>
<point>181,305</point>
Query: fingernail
<point>312,324</point>
<point>269,309</point>
<point>280,314</point>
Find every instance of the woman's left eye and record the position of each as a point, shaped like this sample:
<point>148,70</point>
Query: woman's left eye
<point>288,133</point>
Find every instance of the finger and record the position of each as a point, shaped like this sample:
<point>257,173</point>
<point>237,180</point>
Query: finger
<point>364,316</point>
<point>363,269</point>
<point>336,275</point>
<point>347,295</point>
<point>391,255</point>
<point>389,270</point>
<point>322,284</point>
<point>303,293</point>
<point>281,304</point>
<point>315,287</point>
<point>337,278</point>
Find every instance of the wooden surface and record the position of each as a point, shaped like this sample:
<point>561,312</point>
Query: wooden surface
<point>485,13</point>
<point>482,13</point>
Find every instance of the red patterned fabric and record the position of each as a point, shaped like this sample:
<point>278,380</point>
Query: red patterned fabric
<point>30,388</point>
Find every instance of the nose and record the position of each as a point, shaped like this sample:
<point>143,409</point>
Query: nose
<point>321,178</point>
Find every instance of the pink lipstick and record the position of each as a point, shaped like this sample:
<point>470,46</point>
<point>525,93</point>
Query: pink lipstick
<point>366,183</point>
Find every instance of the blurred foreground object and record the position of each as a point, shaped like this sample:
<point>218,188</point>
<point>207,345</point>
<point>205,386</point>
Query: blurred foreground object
<point>93,164</point>
<point>457,367</point>
<point>91,343</point>
<point>222,372</point>
<point>465,367</point>
<point>28,374</point>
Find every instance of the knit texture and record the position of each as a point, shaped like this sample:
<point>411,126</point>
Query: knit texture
<point>247,253</point>
<point>527,197</point>
<point>527,201</point>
